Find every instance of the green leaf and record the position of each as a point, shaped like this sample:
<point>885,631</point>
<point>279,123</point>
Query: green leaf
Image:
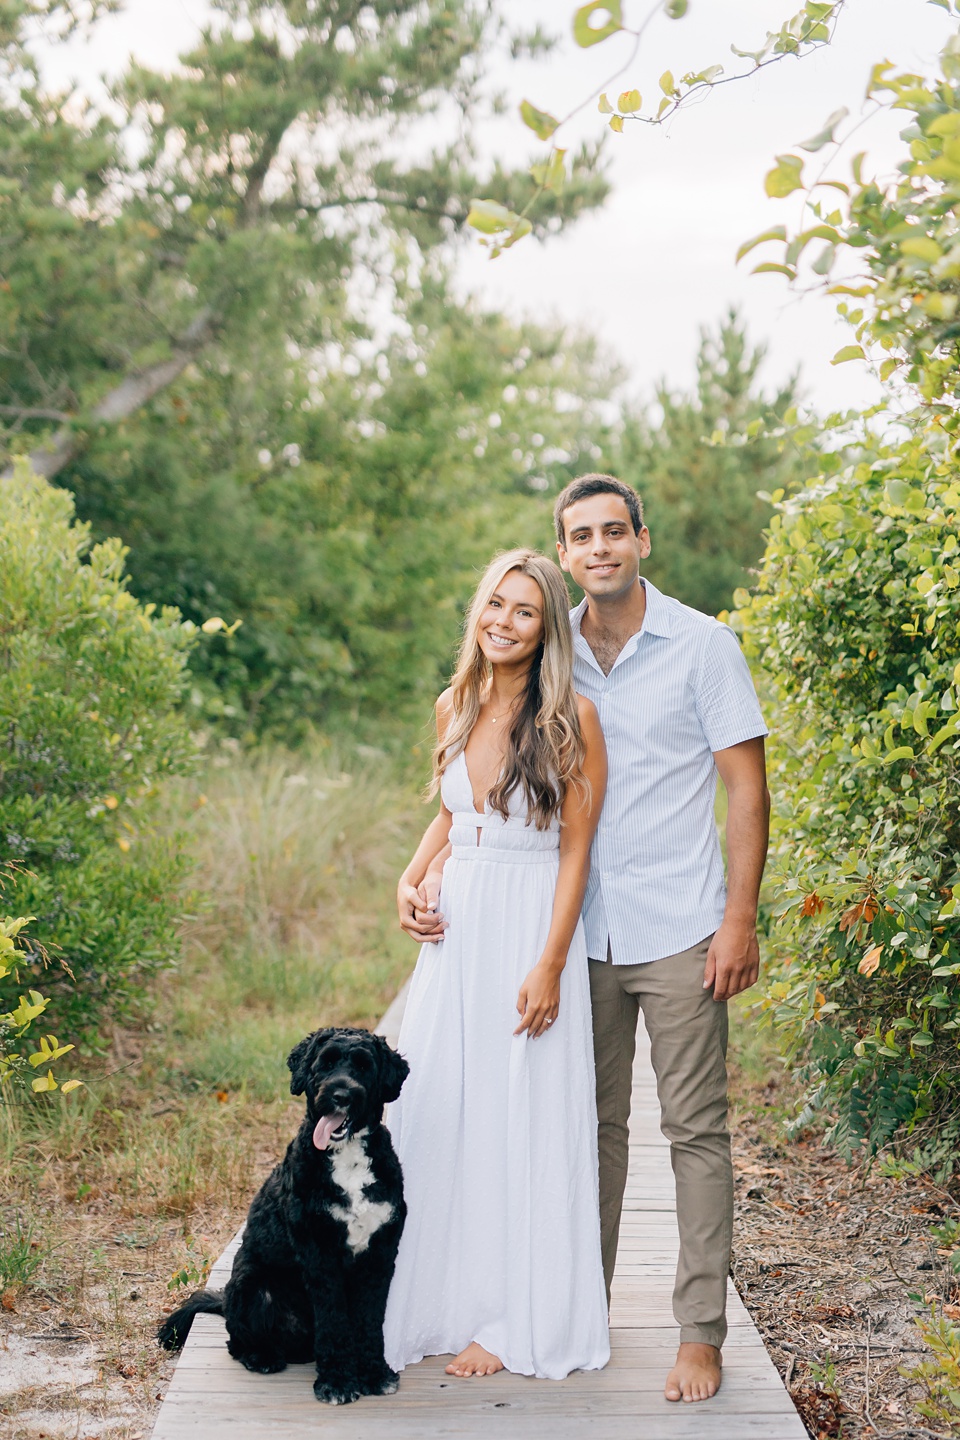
<point>604,106</point>
<point>521,228</point>
<point>629,102</point>
<point>786,177</point>
<point>616,123</point>
<point>825,136</point>
<point>676,9</point>
<point>539,121</point>
<point>586,34</point>
<point>490,217</point>
<point>556,174</point>
<point>901,752</point>
<point>776,232</point>
<point>667,83</point>
<point>922,248</point>
<point>769,267</point>
<point>849,352</point>
<point>945,125</point>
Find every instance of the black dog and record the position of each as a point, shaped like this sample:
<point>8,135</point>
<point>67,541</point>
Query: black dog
<point>310,1279</point>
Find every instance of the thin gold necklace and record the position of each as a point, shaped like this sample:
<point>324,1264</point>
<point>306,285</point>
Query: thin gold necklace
<point>494,719</point>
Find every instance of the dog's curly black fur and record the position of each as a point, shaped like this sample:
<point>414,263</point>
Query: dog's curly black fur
<point>311,1277</point>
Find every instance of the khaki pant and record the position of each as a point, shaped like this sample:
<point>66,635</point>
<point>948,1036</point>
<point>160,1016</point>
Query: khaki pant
<point>688,1041</point>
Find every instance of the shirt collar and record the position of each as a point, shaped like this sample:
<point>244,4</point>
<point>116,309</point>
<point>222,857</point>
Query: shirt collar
<point>657,619</point>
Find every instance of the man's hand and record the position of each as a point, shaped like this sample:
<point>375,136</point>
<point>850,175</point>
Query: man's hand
<point>733,960</point>
<point>416,918</point>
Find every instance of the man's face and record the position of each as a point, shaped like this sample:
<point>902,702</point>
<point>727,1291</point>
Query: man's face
<point>601,551</point>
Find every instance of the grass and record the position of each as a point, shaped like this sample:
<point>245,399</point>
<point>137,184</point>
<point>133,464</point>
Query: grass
<point>296,922</point>
<point>21,1254</point>
<point>108,1192</point>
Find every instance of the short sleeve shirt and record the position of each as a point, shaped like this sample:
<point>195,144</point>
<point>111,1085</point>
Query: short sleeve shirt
<point>678,691</point>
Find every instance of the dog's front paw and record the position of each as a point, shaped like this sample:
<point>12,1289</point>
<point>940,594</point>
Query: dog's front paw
<point>262,1364</point>
<point>331,1392</point>
<point>382,1381</point>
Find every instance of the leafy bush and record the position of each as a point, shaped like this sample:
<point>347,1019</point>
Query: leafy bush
<point>16,1024</point>
<point>88,725</point>
<point>856,619</point>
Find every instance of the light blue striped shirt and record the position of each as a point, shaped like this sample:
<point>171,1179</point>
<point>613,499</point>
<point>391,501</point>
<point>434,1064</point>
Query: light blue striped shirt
<point>679,690</point>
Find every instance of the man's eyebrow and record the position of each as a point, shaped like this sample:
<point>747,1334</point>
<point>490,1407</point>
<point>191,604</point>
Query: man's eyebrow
<point>604,525</point>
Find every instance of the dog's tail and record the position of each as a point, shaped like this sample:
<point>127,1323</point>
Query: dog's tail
<point>173,1331</point>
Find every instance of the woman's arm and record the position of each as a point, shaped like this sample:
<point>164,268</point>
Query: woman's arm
<point>413,895</point>
<point>413,892</point>
<point>539,999</point>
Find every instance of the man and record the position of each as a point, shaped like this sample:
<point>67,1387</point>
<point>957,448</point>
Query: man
<point>677,707</point>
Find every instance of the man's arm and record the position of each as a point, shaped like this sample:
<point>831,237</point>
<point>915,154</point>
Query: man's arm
<point>733,961</point>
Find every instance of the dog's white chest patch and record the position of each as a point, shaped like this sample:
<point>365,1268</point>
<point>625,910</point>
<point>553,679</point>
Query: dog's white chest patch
<point>352,1171</point>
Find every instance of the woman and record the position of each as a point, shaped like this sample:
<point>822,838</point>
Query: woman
<point>496,1127</point>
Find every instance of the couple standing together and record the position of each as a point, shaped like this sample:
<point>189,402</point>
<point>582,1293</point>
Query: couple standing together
<point>603,728</point>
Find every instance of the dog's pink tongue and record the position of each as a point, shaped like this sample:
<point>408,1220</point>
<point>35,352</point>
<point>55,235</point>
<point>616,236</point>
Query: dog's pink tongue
<point>324,1128</point>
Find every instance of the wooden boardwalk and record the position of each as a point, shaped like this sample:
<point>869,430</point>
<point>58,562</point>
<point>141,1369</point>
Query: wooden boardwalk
<point>211,1397</point>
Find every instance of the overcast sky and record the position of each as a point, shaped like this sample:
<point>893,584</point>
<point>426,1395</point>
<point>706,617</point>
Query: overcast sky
<point>657,262</point>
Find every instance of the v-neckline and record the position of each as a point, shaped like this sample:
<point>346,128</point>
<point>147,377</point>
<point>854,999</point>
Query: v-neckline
<point>473,793</point>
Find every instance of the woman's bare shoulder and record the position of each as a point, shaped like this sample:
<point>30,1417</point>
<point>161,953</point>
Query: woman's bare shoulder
<point>444,711</point>
<point>444,705</point>
<point>587,712</point>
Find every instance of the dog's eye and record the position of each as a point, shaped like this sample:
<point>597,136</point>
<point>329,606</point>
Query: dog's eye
<point>329,1057</point>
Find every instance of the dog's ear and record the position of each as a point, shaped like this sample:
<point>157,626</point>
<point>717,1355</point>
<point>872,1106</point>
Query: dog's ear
<point>393,1071</point>
<point>300,1058</point>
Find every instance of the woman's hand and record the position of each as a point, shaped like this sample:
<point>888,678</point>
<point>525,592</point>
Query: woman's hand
<point>416,918</point>
<point>538,1003</point>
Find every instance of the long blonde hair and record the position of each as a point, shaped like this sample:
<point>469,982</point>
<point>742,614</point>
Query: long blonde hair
<point>545,750</point>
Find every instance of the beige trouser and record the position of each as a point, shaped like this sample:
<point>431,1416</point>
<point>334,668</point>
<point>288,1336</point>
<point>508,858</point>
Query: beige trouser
<point>688,1041</point>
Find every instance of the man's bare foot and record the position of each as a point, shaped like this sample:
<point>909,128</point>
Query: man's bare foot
<point>474,1361</point>
<point>696,1375</point>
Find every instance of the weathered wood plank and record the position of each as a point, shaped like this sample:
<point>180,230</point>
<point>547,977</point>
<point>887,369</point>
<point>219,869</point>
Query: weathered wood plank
<point>211,1397</point>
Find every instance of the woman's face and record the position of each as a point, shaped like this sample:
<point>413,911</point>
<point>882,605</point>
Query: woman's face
<point>511,626</point>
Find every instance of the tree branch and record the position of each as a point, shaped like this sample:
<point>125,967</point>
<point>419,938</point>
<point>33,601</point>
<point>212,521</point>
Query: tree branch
<point>32,412</point>
<point>133,392</point>
<point>346,202</point>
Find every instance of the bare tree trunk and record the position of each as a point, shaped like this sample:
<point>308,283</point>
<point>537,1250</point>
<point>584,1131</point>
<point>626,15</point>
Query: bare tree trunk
<point>132,393</point>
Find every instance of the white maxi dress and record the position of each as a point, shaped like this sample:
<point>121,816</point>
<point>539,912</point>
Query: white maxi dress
<point>497,1134</point>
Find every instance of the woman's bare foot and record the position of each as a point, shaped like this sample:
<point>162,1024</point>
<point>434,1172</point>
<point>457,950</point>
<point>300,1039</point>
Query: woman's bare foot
<point>696,1375</point>
<point>474,1361</point>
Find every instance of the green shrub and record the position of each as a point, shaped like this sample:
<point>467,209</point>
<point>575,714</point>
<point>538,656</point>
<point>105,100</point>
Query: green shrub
<point>856,620</point>
<point>88,726</point>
